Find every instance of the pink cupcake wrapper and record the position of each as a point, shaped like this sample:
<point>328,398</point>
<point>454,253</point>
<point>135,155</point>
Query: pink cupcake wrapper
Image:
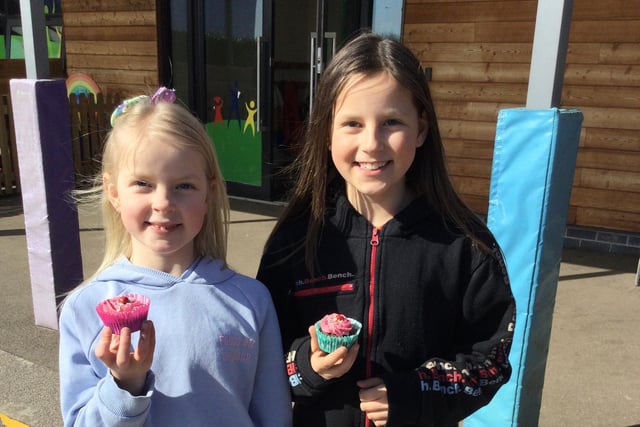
<point>130,319</point>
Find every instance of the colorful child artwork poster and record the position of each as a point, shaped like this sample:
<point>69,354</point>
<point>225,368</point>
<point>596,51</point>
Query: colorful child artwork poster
<point>82,84</point>
<point>238,144</point>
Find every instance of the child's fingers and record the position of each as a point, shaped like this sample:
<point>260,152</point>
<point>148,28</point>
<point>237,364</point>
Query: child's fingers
<point>104,343</point>
<point>314,339</point>
<point>372,389</point>
<point>123,354</point>
<point>373,400</point>
<point>147,343</point>
<point>334,357</point>
<point>115,343</point>
<point>351,355</point>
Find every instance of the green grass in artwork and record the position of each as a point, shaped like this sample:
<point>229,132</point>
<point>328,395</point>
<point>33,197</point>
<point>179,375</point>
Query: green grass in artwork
<point>239,153</point>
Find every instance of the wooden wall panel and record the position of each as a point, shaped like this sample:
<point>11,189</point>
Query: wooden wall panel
<point>606,218</point>
<point>611,139</point>
<point>119,63</point>
<point>601,96</point>
<point>618,10</point>
<point>456,11</point>
<point>616,118</point>
<point>113,35</point>
<point>104,5</point>
<point>482,72</point>
<point>602,75</point>
<point>480,92</point>
<point>479,53</point>
<point>621,161</point>
<point>433,52</point>
<point>616,201</point>
<point>462,168</point>
<point>471,111</point>
<point>603,53</point>
<point>605,31</point>
<point>108,48</point>
<point>114,19</point>
<point>114,42</point>
<point>468,149</point>
<point>605,179</point>
<point>462,129</point>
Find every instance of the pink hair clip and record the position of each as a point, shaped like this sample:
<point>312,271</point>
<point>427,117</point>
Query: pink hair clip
<point>163,94</point>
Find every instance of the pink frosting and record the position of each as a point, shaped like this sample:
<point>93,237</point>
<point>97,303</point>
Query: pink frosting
<point>123,303</point>
<point>336,324</point>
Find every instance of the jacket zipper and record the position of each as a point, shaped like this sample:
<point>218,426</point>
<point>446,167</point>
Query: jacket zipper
<point>375,241</point>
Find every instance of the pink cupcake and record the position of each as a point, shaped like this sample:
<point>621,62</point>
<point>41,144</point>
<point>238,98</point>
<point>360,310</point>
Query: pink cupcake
<point>124,311</point>
<point>335,330</point>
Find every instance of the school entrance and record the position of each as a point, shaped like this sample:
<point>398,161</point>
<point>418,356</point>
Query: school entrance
<point>248,69</point>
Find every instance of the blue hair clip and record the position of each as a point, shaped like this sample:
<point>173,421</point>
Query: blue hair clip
<point>125,105</point>
<point>163,94</point>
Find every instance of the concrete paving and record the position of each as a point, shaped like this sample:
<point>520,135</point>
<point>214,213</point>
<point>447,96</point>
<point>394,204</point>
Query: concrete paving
<point>592,376</point>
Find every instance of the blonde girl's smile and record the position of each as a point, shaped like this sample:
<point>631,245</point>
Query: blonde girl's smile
<point>163,228</point>
<point>161,195</point>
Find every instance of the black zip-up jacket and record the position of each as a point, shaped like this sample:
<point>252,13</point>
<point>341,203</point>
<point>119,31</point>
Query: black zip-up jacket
<point>437,313</point>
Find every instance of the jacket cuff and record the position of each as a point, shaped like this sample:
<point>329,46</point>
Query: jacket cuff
<point>303,360</point>
<point>121,402</point>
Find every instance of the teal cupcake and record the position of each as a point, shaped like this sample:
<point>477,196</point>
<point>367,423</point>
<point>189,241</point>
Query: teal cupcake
<point>336,330</point>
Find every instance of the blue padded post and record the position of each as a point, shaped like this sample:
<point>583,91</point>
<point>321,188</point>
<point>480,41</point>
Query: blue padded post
<point>532,175</point>
<point>43,141</point>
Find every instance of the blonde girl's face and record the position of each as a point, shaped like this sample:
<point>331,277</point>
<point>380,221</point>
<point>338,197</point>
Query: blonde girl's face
<point>161,194</point>
<point>376,131</point>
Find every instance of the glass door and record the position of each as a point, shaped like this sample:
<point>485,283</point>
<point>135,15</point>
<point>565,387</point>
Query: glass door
<point>232,65</point>
<point>218,58</point>
<point>298,59</point>
<point>248,69</point>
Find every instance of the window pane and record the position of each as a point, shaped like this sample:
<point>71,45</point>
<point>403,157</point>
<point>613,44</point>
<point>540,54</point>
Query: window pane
<point>232,31</point>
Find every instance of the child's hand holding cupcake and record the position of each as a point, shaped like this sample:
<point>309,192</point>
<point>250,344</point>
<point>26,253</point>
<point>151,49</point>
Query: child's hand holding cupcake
<point>334,345</point>
<point>123,315</point>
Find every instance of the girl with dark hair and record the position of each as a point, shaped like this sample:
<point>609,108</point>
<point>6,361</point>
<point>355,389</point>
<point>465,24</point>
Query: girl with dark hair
<point>375,230</point>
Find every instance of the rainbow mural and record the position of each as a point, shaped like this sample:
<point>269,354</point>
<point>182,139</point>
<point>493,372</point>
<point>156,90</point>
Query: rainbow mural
<point>82,84</point>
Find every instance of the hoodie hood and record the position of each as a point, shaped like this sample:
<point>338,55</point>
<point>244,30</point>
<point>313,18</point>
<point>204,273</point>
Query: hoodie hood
<point>203,271</point>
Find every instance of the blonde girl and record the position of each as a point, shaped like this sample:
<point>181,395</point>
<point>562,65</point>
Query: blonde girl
<point>210,353</point>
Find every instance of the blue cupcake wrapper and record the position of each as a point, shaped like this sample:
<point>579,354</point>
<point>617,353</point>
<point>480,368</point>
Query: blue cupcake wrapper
<point>330,343</point>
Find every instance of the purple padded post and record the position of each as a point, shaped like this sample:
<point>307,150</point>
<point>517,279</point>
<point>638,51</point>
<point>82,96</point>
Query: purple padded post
<point>43,141</point>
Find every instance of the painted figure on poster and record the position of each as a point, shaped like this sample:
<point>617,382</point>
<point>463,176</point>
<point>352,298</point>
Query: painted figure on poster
<point>251,114</point>
<point>234,109</point>
<point>218,103</point>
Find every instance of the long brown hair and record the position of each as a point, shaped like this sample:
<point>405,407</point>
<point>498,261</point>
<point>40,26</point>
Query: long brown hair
<point>316,177</point>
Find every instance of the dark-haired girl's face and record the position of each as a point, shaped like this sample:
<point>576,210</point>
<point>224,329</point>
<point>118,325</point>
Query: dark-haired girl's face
<point>376,131</point>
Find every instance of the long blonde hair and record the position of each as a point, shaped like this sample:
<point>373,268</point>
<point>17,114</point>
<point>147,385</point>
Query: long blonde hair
<point>144,123</point>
